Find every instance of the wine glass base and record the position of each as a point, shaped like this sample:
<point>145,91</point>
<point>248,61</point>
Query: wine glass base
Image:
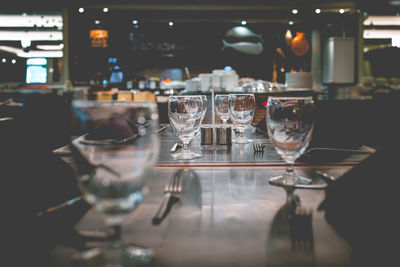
<point>242,140</point>
<point>116,254</point>
<point>289,180</point>
<point>186,155</point>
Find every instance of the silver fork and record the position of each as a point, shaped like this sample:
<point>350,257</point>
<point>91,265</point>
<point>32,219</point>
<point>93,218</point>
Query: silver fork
<point>258,147</point>
<point>258,150</point>
<point>300,225</point>
<point>172,192</point>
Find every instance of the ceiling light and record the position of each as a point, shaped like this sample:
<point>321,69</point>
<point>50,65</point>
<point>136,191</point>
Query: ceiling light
<point>341,11</point>
<point>291,22</point>
<point>3,60</point>
<point>170,23</point>
<point>134,21</point>
<point>13,61</point>
<point>295,11</point>
<point>318,11</point>
<point>243,22</point>
<point>81,10</point>
<point>105,10</point>
<point>97,21</point>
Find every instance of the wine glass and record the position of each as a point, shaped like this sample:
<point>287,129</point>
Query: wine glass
<point>185,114</point>
<point>290,125</point>
<point>241,111</point>
<point>115,152</point>
<point>222,107</point>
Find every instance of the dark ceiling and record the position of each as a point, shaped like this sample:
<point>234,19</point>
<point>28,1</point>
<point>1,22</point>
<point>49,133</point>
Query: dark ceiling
<point>370,6</point>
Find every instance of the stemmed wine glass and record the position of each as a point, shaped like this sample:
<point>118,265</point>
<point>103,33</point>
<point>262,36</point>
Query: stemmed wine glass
<point>115,152</point>
<point>185,114</point>
<point>241,110</point>
<point>290,125</point>
<point>222,107</point>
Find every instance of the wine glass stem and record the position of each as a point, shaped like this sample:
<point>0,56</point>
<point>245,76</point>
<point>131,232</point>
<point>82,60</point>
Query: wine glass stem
<point>117,231</point>
<point>290,169</point>
<point>185,146</point>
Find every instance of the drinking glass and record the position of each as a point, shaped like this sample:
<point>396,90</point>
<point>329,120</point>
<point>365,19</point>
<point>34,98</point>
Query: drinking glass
<point>290,125</point>
<point>222,107</point>
<point>241,111</point>
<point>185,114</point>
<point>115,152</point>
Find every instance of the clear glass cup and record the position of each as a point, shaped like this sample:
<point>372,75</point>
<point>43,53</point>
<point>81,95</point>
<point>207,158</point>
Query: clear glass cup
<point>185,114</point>
<point>222,107</point>
<point>290,123</point>
<point>115,152</point>
<point>241,111</point>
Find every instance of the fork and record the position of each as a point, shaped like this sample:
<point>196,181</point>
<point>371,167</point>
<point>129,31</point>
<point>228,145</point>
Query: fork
<point>300,226</point>
<point>258,147</point>
<point>258,150</point>
<point>172,192</point>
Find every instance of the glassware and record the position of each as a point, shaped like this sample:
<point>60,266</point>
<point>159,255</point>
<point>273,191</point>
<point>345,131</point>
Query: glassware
<point>290,125</point>
<point>204,107</point>
<point>222,107</point>
<point>241,111</point>
<point>115,152</point>
<point>185,114</point>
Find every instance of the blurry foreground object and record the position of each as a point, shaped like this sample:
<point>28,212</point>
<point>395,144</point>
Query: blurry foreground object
<point>115,152</point>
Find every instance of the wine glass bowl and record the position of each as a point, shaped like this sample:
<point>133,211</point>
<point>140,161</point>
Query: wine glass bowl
<point>290,125</point>
<point>115,152</point>
<point>222,107</point>
<point>241,111</point>
<point>185,114</point>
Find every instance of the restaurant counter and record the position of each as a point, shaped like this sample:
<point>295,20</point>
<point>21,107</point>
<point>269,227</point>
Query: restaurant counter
<point>229,215</point>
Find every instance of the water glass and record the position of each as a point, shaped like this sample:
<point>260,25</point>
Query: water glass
<point>185,114</point>
<point>222,107</point>
<point>290,123</point>
<point>241,111</point>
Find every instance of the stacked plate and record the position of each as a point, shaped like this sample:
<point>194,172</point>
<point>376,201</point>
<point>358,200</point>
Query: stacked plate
<point>298,80</point>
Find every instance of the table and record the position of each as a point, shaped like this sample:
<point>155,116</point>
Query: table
<point>229,215</point>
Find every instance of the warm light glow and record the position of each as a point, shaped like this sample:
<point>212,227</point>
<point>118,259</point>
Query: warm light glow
<point>394,35</point>
<point>295,11</point>
<point>81,10</point>
<point>341,11</point>
<point>98,34</point>
<point>99,38</point>
<point>288,37</point>
<point>243,22</point>
<point>318,11</point>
